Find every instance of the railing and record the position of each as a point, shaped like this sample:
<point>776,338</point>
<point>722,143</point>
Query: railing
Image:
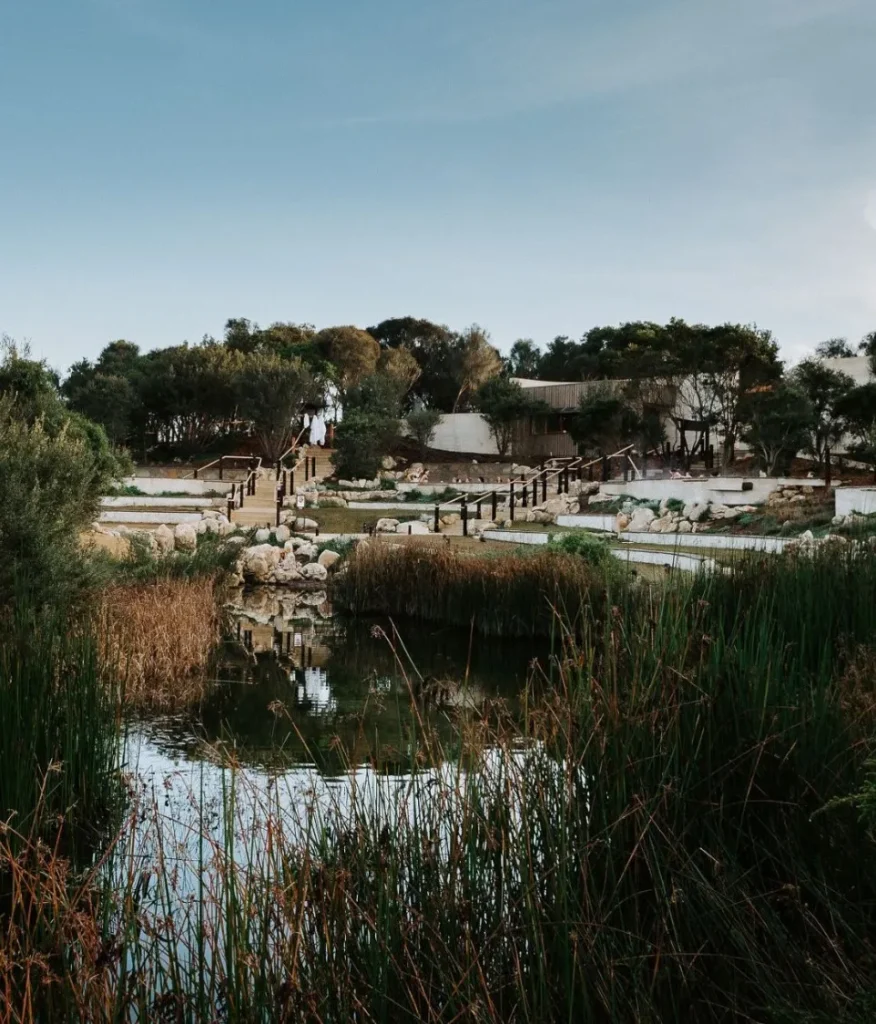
<point>221,463</point>
<point>558,469</point>
<point>246,488</point>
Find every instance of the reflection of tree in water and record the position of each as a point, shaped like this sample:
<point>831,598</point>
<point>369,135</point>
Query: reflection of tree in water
<point>346,695</point>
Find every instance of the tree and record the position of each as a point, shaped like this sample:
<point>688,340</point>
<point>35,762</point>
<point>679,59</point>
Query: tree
<point>475,363</point>
<point>524,360</point>
<point>353,353</point>
<point>777,424</point>
<point>272,393</point>
<point>824,389</point>
<point>605,422</point>
<point>401,365</point>
<point>834,348</point>
<point>422,424</point>
<point>433,346</point>
<point>858,408</point>
<point>503,404</point>
<point>369,429</point>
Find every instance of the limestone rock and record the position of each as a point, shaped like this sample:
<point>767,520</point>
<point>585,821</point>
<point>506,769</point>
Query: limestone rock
<point>386,526</point>
<point>621,522</point>
<point>685,527</point>
<point>415,528</point>
<point>236,541</point>
<point>164,539</point>
<point>694,511</point>
<point>328,558</point>
<point>262,536</point>
<point>450,519</point>
<point>305,552</point>
<point>332,501</point>
<point>641,520</point>
<point>211,526</point>
<point>281,534</point>
<point>184,537</point>
<point>314,571</point>
<point>258,562</point>
<point>387,462</point>
<point>286,571</point>
<point>303,524</point>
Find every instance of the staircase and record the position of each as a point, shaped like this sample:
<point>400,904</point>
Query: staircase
<point>260,509</point>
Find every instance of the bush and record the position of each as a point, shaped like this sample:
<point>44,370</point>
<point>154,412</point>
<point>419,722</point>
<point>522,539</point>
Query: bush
<point>388,484</point>
<point>588,546</point>
<point>422,424</point>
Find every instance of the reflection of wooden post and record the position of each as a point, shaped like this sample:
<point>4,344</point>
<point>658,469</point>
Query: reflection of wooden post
<point>437,521</point>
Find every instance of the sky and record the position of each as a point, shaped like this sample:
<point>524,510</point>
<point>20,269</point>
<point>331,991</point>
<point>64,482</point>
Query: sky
<point>536,166</point>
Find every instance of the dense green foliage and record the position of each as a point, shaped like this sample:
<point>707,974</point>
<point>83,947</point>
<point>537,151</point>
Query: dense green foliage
<point>370,427</point>
<point>504,404</point>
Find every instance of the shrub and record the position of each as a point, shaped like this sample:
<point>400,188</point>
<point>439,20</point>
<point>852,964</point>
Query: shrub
<point>422,424</point>
<point>588,546</point>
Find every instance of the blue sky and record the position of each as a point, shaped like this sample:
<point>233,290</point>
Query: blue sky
<point>538,167</point>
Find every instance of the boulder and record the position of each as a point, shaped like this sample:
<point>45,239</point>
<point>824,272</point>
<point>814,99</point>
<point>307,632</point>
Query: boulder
<point>415,528</point>
<point>302,524</point>
<point>210,513</point>
<point>305,552</point>
<point>184,537</point>
<point>111,541</point>
<point>328,558</point>
<point>621,522</point>
<point>314,571</point>
<point>227,528</point>
<point>211,526</point>
<point>694,511</point>
<point>387,462</point>
<point>641,520</point>
<point>484,527</point>
<point>236,541</point>
<point>286,571</point>
<point>258,562</point>
<point>332,501</point>
<point>450,519</point>
<point>798,498</point>
<point>281,534</point>
<point>732,513</point>
<point>262,536</point>
<point>164,539</point>
<point>386,526</point>
<point>201,527</point>
<point>685,527</point>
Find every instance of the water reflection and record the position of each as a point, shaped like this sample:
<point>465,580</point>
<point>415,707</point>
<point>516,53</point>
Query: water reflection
<point>298,687</point>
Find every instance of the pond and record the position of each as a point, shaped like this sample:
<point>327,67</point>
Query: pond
<point>305,702</point>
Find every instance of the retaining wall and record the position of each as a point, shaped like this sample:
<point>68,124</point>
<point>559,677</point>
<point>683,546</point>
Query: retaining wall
<point>855,499</point>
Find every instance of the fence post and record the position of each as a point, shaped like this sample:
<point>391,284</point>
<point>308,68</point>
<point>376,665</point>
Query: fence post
<point>566,479</point>
<point>544,488</point>
<point>606,471</point>
<point>534,491</point>
<point>495,505</point>
<point>285,483</point>
<point>306,469</point>
<point>525,492</point>
<point>478,514</point>
<point>291,481</point>
<point>560,482</point>
<point>463,508</point>
<point>313,468</point>
<point>196,474</point>
<point>221,466</point>
<point>437,521</point>
<point>230,508</point>
<point>590,472</point>
<point>279,505</point>
<point>278,469</point>
<point>242,489</point>
<point>511,502</point>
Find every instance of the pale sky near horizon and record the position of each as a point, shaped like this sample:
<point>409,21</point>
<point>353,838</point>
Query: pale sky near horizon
<point>536,166</point>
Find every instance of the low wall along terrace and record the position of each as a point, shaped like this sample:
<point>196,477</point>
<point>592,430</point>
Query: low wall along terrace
<point>855,499</point>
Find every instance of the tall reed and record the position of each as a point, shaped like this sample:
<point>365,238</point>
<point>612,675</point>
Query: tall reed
<point>513,595</point>
<point>665,838</point>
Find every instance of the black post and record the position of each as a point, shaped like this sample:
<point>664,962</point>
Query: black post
<point>313,468</point>
<point>560,482</point>
<point>196,474</point>
<point>534,491</point>
<point>221,465</point>
<point>525,492</point>
<point>544,488</point>
<point>285,483</point>
<point>278,469</point>
<point>233,491</point>
<point>511,502</point>
<point>626,470</point>
<point>566,478</point>
<point>291,481</point>
<point>242,489</point>
<point>306,469</point>
<point>590,472</point>
<point>230,508</point>
<point>478,514</point>
<point>605,469</point>
<point>437,521</point>
<point>463,508</point>
<point>279,505</point>
<point>495,505</point>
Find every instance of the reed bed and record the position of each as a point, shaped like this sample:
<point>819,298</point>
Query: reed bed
<point>160,639</point>
<point>679,827</point>
<point>513,595</point>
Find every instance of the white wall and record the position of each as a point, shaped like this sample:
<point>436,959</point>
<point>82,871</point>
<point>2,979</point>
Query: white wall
<point>855,499</point>
<point>464,432</point>
<point>176,485</point>
<point>718,490</point>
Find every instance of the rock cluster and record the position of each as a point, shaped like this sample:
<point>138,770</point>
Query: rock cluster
<point>790,495</point>
<point>691,519</point>
<point>296,562</point>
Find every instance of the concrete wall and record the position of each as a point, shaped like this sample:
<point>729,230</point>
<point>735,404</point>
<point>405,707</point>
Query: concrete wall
<point>855,499</point>
<point>719,490</point>
<point>176,485</point>
<point>464,432</point>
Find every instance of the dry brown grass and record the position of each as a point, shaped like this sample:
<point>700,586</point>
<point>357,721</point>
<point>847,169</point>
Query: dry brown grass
<point>160,638</point>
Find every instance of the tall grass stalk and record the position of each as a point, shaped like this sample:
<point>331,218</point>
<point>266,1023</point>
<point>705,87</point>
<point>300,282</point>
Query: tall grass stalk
<point>666,836</point>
